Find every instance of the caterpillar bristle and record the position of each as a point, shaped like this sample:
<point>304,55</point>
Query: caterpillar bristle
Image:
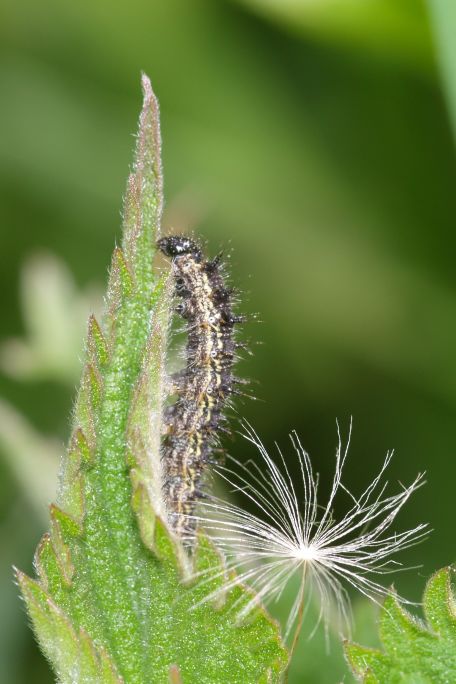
<point>223,294</point>
<point>212,265</point>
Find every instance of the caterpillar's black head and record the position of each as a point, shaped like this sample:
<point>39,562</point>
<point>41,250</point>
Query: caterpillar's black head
<point>176,245</point>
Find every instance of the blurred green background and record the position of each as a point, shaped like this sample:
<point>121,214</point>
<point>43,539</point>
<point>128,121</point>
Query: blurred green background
<point>314,138</point>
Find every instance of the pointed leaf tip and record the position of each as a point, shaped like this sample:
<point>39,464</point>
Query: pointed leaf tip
<point>96,345</point>
<point>122,272</point>
<point>79,449</point>
<point>69,526</point>
<point>439,603</point>
<point>361,659</point>
<point>147,87</point>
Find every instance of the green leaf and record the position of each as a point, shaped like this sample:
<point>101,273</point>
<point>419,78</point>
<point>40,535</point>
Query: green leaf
<point>31,457</point>
<point>114,600</point>
<point>443,16</point>
<point>414,652</point>
<point>54,313</point>
<point>397,31</point>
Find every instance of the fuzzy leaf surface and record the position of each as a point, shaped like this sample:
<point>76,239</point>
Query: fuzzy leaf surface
<point>414,652</point>
<point>114,601</point>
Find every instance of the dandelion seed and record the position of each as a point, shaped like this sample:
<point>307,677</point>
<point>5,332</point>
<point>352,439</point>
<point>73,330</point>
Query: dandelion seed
<point>291,533</point>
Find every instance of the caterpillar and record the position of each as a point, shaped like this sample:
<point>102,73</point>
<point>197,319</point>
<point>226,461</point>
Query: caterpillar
<point>204,386</point>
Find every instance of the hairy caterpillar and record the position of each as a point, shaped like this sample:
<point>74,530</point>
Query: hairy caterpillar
<point>204,386</point>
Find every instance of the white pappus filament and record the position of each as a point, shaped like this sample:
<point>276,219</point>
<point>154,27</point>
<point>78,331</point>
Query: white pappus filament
<point>290,533</point>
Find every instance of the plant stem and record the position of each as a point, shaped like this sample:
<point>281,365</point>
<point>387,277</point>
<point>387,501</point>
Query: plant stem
<point>299,619</point>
